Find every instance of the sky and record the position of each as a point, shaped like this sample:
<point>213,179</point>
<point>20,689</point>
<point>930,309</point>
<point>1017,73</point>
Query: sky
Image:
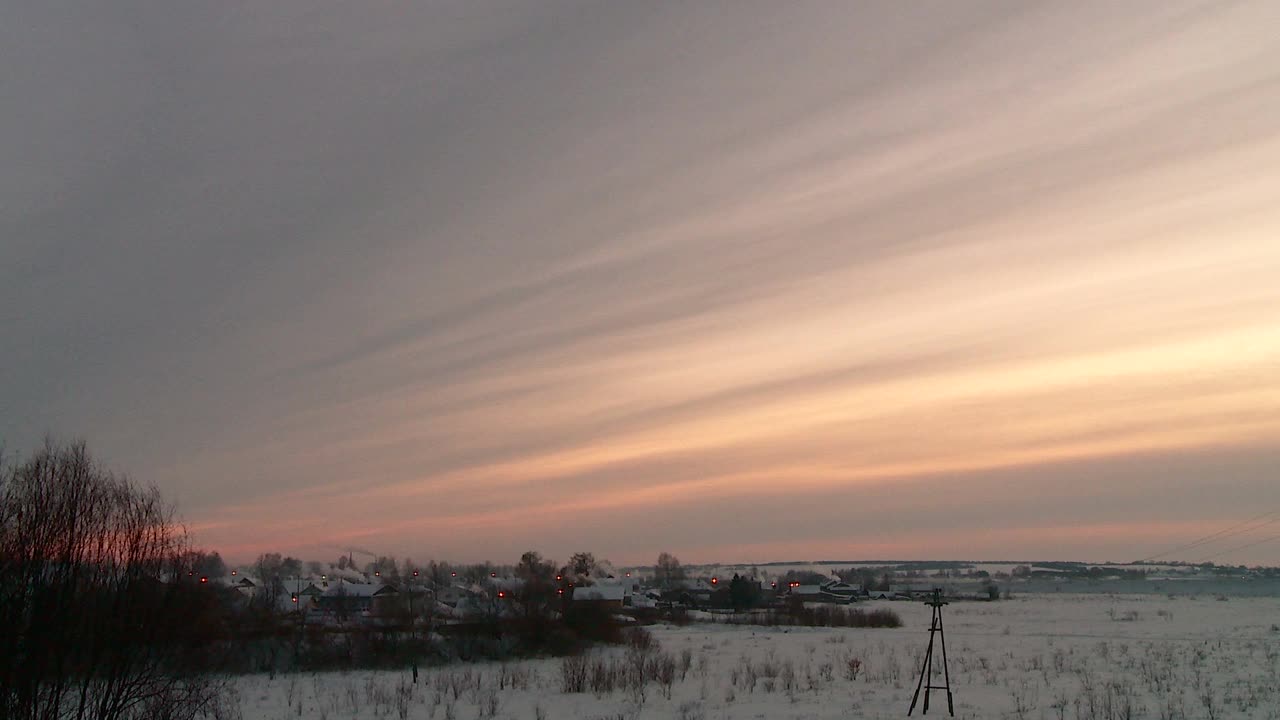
<point>742,281</point>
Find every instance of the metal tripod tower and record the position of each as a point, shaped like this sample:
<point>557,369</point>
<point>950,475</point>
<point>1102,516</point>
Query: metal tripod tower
<point>926,671</point>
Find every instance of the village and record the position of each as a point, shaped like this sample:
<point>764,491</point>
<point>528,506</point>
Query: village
<point>348,597</point>
<point>384,593</point>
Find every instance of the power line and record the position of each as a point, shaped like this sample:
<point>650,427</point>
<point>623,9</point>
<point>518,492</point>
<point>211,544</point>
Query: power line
<point>1242,547</point>
<point>1223,534</point>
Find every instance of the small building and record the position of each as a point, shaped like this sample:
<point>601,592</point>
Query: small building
<point>345,599</point>
<point>455,593</point>
<point>807,592</point>
<point>308,597</point>
<point>607,596</point>
<point>839,591</point>
<point>246,587</point>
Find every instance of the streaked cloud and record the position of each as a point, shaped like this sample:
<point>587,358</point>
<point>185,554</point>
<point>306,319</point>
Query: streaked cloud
<point>462,279</point>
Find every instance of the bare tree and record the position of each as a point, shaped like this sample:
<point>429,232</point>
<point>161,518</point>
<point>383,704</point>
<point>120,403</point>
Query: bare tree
<point>343,604</point>
<point>384,568</point>
<point>205,564</point>
<point>536,594</point>
<point>98,613</point>
<point>439,574</point>
<point>668,571</point>
<point>270,571</point>
<point>582,563</point>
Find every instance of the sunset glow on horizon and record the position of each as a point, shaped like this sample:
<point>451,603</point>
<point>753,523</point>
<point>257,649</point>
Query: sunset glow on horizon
<point>754,283</point>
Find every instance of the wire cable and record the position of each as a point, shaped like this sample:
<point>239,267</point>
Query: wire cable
<point>1223,534</point>
<point>1242,547</point>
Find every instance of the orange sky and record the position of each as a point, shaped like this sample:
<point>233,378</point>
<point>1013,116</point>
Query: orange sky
<point>978,280</point>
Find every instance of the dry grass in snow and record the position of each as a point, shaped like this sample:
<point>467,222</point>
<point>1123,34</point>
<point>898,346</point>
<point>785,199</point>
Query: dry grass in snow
<point>1063,657</point>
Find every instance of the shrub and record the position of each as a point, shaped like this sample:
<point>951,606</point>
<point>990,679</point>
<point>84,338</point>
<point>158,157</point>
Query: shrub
<point>95,605</point>
<point>573,674</point>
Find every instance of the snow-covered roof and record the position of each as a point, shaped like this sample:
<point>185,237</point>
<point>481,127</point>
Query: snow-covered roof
<point>509,584</point>
<point>839,587</point>
<point>600,592</point>
<point>357,589</point>
<point>226,581</point>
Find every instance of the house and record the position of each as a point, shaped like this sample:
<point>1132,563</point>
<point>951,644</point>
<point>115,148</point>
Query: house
<point>308,597</point>
<point>246,587</point>
<point>839,591</point>
<point>607,596</point>
<point>807,592</point>
<point>690,592</point>
<point>507,585</point>
<point>345,599</point>
<point>454,594</point>
<point>640,600</point>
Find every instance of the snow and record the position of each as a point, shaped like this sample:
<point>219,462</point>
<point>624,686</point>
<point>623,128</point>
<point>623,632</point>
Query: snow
<point>600,592</point>
<point>355,590</point>
<point>1033,656</point>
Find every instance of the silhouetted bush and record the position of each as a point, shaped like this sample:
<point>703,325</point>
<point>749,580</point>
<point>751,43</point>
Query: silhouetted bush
<point>593,623</point>
<point>101,616</point>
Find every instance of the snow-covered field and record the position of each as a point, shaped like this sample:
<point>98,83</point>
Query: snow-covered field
<point>1034,656</point>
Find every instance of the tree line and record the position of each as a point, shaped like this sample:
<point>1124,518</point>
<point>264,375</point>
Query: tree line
<point>94,626</point>
<point>109,613</point>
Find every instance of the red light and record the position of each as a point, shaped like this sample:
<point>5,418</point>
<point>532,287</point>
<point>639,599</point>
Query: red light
<point>560,591</point>
<point>191,572</point>
<point>714,581</point>
<point>415,573</point>
<point>773,584</point>
<point>295,598</point>
<point>377,573</point>
<point>493,574</point>
<point>204,579</point>
<point>628,574</point>
<point>557,577</point>
<point>455,574</point>
<point>233,572</point>
<point>502,594</point>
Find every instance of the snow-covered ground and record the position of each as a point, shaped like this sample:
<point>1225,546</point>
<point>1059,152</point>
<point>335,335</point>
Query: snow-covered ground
<point>1034,656</point>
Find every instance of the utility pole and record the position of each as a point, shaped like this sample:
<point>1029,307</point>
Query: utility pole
<point>926,671</point>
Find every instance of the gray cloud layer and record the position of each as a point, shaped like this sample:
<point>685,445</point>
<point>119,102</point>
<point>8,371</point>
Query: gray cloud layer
<point>491,256</point>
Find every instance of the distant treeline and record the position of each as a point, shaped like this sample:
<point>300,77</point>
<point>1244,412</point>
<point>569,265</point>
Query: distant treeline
<point>110,613</point>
